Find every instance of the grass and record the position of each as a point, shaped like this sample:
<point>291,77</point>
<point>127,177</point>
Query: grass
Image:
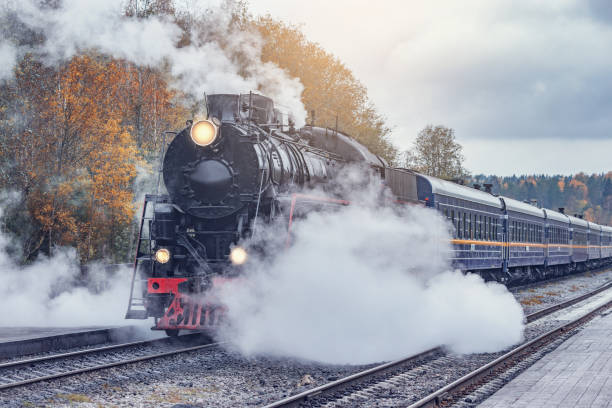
<point>532,300</point>
<point>74,397</point>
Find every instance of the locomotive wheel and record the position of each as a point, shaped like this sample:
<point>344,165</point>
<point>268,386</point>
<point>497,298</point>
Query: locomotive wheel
<point>172,332</point>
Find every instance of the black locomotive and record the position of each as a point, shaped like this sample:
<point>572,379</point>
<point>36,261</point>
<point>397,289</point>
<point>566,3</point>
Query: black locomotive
<point>243,162</point>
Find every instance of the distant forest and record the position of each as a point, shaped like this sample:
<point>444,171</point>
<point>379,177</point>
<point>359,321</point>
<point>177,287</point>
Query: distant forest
<point>588,195</point>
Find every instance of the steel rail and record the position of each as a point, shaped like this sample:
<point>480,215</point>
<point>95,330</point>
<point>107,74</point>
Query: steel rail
<point>17,363</point>
<point>436,398</point>
<point>563,305</point>
<point>96,367</point>
<point>296,400</point>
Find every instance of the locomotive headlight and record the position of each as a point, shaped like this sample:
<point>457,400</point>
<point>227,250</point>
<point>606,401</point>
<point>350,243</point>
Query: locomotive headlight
<point>238,255</point>
<point>162,255</point>
<point>204,132</point>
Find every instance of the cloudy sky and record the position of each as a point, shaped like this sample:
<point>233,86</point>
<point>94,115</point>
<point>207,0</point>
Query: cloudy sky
<point>527,85</point>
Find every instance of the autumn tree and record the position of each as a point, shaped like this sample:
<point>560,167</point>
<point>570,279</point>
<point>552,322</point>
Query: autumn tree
<point>331,91</point>
<point>74,157</point>
<point>437,153</point>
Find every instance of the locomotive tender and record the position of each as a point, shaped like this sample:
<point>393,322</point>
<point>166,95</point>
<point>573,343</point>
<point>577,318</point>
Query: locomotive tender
<point>245,164</point>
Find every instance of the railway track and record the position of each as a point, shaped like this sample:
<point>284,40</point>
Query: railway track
<point>27,371</point>
<point>361,386</point>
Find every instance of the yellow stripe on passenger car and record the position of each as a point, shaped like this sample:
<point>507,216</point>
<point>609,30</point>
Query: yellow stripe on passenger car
<point>521,244</point>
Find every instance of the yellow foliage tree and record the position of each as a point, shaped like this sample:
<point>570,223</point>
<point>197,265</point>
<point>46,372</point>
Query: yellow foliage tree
<point>330,88</point>
<point>75,157</point>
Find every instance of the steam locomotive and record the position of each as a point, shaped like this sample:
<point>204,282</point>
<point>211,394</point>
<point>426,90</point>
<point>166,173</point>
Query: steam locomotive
<point>245,163</point>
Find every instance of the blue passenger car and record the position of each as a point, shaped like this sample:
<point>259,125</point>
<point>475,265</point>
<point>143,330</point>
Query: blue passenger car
<point>594,242</point>
<point>579,239</point>
<point>509,240</point>
<point>476,217</point>
<point>525,229</point>
<point>606,241</point>
<point>557,238</point>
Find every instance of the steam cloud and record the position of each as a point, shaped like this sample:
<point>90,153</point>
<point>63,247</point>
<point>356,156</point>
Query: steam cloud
<point>203,66</point>
<point>48,292</point>
<point>365,284</point>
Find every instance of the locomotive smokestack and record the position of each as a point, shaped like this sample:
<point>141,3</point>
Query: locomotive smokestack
<point>488,187</point>
<point>561,210</point>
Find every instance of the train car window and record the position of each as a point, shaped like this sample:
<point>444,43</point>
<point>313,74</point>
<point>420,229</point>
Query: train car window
<point>459,234</point>
<point>472,225</point>
<point>465,227</point>
<point>494,220</point>
<point>479,227</point>
<point>525,231</point>
<point>495,229</point>
<point>552,235</point>
<point>555,228</point>
<point>529,231</point>
<point>484,227</point>
<point>459,231</point>
<point>517,233</point>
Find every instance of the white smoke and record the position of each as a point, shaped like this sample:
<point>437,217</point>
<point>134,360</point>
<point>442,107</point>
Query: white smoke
<point>8,56</point>
<point>203,66</point>
<point>45,293</point>
<point>51,291</point>
<point>363,284</point>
